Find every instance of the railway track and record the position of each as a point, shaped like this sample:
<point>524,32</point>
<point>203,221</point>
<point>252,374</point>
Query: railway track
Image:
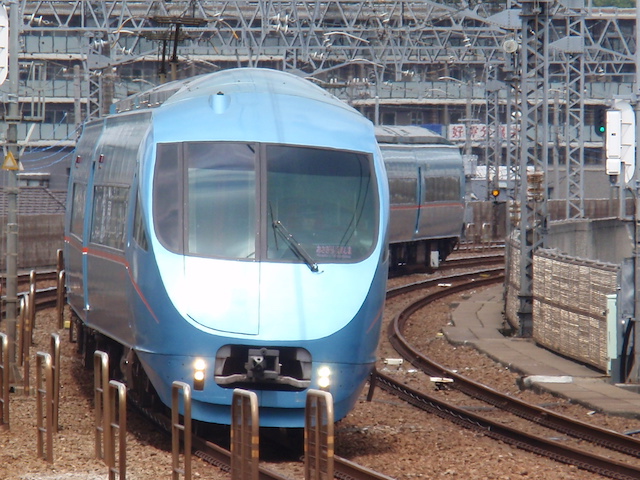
<point>207,450</point>
<point>25,277</point>
<point>220,457</point>
<point>216,454</point>
<point>45,297</point>
<point>447,285</point>
<point>582,458</point>
<point>471,262</point>
<point>465,257</point>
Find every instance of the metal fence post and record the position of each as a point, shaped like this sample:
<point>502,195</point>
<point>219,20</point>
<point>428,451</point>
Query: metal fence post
<point>59,260</point>
<point>177,427</point>
<point>101,403</point>
<point>4,380</point>
<point>60,299</point>
<point>32,302</point>
<point>245,435</point>
<point>21,328</point>
<point>318,436</point>
<point>25,344</point>
<point>44,405</point>
<point>117,428</point>
<point>55,354</point>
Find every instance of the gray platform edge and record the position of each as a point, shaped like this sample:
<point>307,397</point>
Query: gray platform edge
<point>477,321</point>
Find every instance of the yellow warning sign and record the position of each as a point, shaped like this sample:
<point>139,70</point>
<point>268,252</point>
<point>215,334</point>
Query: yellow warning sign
<point>10,162</point>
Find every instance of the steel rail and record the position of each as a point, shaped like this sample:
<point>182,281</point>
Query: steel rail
<point>526,441</point>
<point>542,416</point>
<point>444,280</point>
<point>221,457</point>
<point>42,275</point>
<point>603,437</point>
<point>473,261</point>
<point>215,454</point>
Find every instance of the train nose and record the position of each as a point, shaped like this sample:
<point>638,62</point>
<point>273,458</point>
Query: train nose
<point>234,294</point>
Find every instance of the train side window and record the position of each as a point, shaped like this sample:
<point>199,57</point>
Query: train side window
<point>403,191</point>
<point>431,190</point>
<point>109,213</point>
<point>453,188</point>
<point>403,181</point>
<point>167,197</point>
<point>77,208</point>
<point>139,232</point>
<point>440,189</point>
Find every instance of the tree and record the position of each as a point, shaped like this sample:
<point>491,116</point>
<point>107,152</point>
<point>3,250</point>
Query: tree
<point>614,3</point>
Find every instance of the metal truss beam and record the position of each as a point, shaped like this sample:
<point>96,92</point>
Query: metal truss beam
<point>313,36</point>
<point>335,40</point>
<point>534,152</point>
<point>493,143</point>
<point>572,74</point>
<point>359,48</point>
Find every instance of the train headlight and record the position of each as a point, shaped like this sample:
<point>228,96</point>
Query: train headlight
<point>199,367</point>
<point>324,377</point>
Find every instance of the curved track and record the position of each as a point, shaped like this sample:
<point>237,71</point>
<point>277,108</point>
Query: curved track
<point>549,419</point>
<point>209,451</point>
<point>581,458</point>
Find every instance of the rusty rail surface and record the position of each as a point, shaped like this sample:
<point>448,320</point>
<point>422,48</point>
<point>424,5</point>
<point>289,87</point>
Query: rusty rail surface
<point>547,418</point>
<point>472,261</point>
<point>221,457</point>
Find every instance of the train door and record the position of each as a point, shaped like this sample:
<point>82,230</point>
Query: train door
<point>76,229</point>
<point>73,254</point>
<point>420,185</point>
<point>86,237</point>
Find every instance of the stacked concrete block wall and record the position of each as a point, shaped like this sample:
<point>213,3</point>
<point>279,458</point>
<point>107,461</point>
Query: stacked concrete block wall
<point>512,282</point>
<point>570,305</point>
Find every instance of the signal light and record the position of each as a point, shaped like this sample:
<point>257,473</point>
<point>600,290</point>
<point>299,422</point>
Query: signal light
<point>495,193</point>
<point>600,124</point>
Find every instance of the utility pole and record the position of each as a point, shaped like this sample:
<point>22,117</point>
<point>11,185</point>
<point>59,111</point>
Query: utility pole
<point>11,166</point>
<point>636,190</point>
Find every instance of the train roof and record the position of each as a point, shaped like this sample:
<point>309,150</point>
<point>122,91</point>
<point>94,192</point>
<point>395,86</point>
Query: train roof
<point>244,79</point>
<point>410,134</point>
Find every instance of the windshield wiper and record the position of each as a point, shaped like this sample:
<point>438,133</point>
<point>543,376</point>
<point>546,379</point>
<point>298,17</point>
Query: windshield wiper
<point>295,246</point>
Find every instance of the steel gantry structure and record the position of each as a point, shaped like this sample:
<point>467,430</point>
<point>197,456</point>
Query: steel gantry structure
<point>398,61</point>
<point>374,54</point>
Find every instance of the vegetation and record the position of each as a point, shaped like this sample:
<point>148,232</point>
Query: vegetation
<point>615,3</point>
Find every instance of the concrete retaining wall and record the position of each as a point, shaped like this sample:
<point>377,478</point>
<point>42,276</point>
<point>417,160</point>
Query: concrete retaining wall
<point>605,240</point>
<point>494,214</point>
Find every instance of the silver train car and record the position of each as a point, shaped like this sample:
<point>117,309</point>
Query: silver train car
<point>427,185</point>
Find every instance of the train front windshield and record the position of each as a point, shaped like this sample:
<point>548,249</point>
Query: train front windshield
<point>268,202</point>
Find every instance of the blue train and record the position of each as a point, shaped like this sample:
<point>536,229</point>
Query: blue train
<point>427,189</point>
<point>228,231</point>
